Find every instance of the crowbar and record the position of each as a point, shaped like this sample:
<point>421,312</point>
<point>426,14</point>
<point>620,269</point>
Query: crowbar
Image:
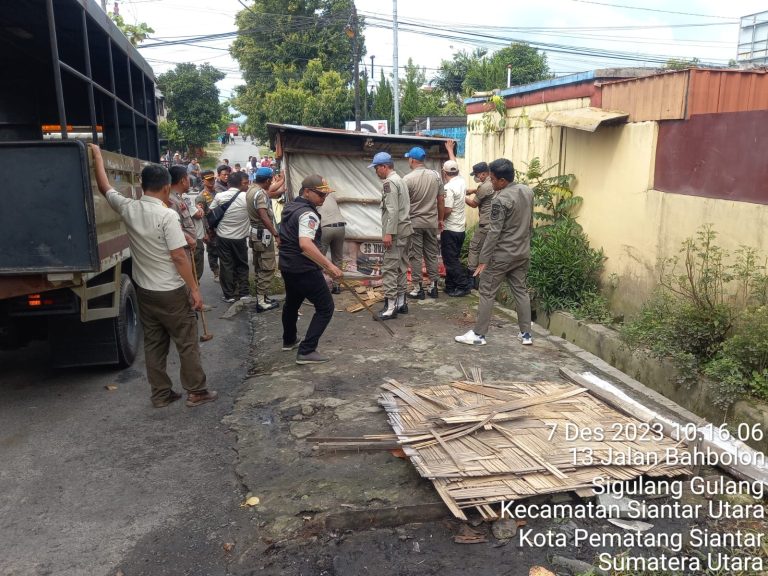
<point>206,336</point>
<point>352,290</point>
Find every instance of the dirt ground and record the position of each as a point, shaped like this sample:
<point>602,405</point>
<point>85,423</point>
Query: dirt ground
<point>369,512</point>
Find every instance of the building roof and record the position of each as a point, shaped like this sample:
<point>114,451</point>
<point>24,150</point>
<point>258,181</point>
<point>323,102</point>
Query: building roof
<point>434,122</point>
<point>600,75</point>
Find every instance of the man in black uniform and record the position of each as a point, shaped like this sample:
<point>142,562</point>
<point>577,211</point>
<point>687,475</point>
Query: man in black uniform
<point>300,232</point>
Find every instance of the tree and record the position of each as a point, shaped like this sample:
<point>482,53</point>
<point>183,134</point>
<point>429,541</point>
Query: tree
<point>320,98</point>
<point>450,78</point>
<point>193,102</point>
<point>288,47</point>
<point>169,130</point>
<point>278,38</point>
<point>136,33</point>
<point>410,102</point>
<point>476,71</point>
<point>383,102</point>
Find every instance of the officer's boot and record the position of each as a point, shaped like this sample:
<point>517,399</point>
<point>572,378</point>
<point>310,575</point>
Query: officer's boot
<point>335,288</point>
<point>418,293</point>
<point>401,304</point>
<point>262,305</point>
<point>432,292</point>
<point>390,309</point>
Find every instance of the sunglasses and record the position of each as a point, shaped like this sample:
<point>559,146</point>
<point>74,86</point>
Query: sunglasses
<point>319,193</point>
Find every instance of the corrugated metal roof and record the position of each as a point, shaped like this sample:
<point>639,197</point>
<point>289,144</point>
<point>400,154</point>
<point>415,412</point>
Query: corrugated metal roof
<point>587,119</point>
<point>681,94</point>
<point>591,76</point>
<point>273,129</point>
<point>714,91</point>
<point>658,97</point>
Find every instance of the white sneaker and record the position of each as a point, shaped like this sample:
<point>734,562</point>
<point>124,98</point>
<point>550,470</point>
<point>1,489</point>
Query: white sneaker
<point>525,338</point>
<point>471,338</point>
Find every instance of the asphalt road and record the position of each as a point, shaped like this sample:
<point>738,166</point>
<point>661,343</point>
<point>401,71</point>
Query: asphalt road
<point>94,481</point>
<point>238,152</point>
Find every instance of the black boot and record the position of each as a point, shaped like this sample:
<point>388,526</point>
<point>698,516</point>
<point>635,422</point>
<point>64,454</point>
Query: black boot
<point>418,293</point>
<point>401,304</point>
<point>389,311</point>
<point>432,293</point>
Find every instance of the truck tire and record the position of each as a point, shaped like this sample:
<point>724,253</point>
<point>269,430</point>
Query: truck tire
<point>127,323</point>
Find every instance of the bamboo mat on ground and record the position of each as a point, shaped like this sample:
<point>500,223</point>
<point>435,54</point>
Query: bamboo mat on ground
<point>484,444</point>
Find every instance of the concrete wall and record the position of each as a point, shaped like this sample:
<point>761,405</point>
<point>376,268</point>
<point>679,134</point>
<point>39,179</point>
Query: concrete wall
<point>622,213</point>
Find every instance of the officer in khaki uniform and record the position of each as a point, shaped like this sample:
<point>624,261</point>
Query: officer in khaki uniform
<point>264,236</point>
<point>427,199</point>
<point>506,252</point>
<point>395,230</point>
<point>482,201</point>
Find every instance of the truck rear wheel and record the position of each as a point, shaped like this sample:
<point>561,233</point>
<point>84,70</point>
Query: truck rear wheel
<point>127,323</point>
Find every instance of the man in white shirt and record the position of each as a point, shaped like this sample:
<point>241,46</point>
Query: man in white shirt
<point>166,287</point>
<point>457,282</point>
<point>232,235</point>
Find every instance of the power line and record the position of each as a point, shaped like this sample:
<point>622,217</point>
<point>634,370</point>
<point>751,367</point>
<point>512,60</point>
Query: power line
<point>654,10</point>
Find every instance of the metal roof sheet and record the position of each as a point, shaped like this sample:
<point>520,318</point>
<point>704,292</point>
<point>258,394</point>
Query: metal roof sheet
<point>273,129</point>
<point>588,119</point>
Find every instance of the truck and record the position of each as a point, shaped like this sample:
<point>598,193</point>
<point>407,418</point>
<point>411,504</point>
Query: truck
<point>70,77</point>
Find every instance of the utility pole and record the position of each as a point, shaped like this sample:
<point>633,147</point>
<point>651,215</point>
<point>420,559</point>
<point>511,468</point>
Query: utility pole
<point>352,31</point>
<point>396,69</point>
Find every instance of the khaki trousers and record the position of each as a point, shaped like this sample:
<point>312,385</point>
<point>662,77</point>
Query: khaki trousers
<point>475,246</point>
<point>264,265</point>
<point>490,281</point>
<point>167,316</point>
<point>394,269</point>
<point>333,238</point>
<point>423,243</point>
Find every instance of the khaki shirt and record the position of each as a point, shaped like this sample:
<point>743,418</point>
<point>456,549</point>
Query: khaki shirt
<point>510,226</point>
<point>424,186</point>
<point>483,197</point>
<point>256,199</point>
<point>182,209</point>
<point>395,207</point>
<point>153,231</point>
<point>329,211</point>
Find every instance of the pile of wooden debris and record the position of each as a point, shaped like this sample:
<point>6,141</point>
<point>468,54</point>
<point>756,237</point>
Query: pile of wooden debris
<point>369,295</point>
<point>483,444</point>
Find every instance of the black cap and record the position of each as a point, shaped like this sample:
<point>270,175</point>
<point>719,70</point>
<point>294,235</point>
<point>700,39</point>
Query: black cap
<point>479,167</point>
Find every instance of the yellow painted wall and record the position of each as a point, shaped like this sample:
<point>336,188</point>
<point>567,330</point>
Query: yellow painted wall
<point>635,225</point>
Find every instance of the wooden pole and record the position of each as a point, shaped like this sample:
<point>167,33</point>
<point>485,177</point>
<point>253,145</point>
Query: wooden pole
<point>352,290</point>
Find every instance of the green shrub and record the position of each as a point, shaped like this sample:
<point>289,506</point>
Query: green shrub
<point>465,246</point>
<point>691,320</point>
<point>741,366</point>
<point>593,308</point>
<point>564,269</point>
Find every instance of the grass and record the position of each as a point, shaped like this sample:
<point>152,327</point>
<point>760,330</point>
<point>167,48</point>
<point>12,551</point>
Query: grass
<point>211,158</point>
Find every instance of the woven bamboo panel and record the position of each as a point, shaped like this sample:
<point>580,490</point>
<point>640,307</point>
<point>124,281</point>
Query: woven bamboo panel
<point>484,444</point>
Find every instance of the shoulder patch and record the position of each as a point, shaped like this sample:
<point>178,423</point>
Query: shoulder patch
<point>385,189</point>
<point>496,210</point>
<point>312,222</point>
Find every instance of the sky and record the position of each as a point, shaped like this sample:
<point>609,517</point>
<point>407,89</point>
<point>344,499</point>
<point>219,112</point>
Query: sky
<point>706,29</point>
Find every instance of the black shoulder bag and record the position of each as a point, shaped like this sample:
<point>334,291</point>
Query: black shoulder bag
<point>215,215</point>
